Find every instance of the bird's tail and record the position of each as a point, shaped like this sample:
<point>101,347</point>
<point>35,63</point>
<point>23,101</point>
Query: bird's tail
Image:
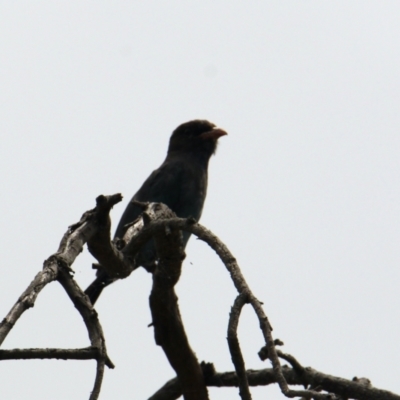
<point>94,290</point>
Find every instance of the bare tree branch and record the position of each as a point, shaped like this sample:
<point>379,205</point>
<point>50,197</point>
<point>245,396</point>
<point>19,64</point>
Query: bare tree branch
<point>28,297</point>
<point>98,381</point>
<point>234,346</point>
<point>159,222</point>
<point>230,263</point>
<point>168,327</point>
<point>350,389</point>
<point>88,313</point>
<point>58,267</point>
<point>100,245</point>
<point>242,287</point>
<point>86,353</point>
<point>70,247</point>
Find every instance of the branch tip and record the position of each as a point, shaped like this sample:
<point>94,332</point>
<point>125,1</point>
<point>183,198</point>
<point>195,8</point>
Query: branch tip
<point>141,204</point>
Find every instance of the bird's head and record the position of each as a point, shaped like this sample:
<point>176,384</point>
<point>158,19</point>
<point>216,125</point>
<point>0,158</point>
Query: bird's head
<point>198,138</point>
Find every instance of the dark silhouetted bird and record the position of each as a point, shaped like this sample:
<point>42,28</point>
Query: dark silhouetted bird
<point>180,183</point>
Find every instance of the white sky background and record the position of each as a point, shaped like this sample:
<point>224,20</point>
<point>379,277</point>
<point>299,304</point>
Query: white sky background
<point>305,190</point>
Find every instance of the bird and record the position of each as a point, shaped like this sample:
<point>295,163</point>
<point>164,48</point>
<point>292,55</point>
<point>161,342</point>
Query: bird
<point>180,183</point>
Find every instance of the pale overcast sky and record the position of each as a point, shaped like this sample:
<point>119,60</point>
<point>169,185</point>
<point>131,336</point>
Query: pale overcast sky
<point>304,190</point>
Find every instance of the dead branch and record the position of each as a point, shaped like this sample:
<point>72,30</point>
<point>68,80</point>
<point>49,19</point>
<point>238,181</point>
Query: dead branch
<point>234,346</point>
<point>239,282</point>
<point>58,267</point>
<point>160,223</point>
<point>86,353</point>
<point>102,248</point>
<point>28,297</point>
<point>350,389</point>
<point>168,327</point>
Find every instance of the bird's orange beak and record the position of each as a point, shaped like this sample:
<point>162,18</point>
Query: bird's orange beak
<point>215,133</point>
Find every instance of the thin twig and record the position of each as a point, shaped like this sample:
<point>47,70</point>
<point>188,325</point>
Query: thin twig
<point>98,381</point>
<point>88,313</point>
<point>85,353</point>
<point>234,346</point>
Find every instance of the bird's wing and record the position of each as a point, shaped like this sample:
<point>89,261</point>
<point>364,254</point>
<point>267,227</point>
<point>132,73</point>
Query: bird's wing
<point>162,186</point>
